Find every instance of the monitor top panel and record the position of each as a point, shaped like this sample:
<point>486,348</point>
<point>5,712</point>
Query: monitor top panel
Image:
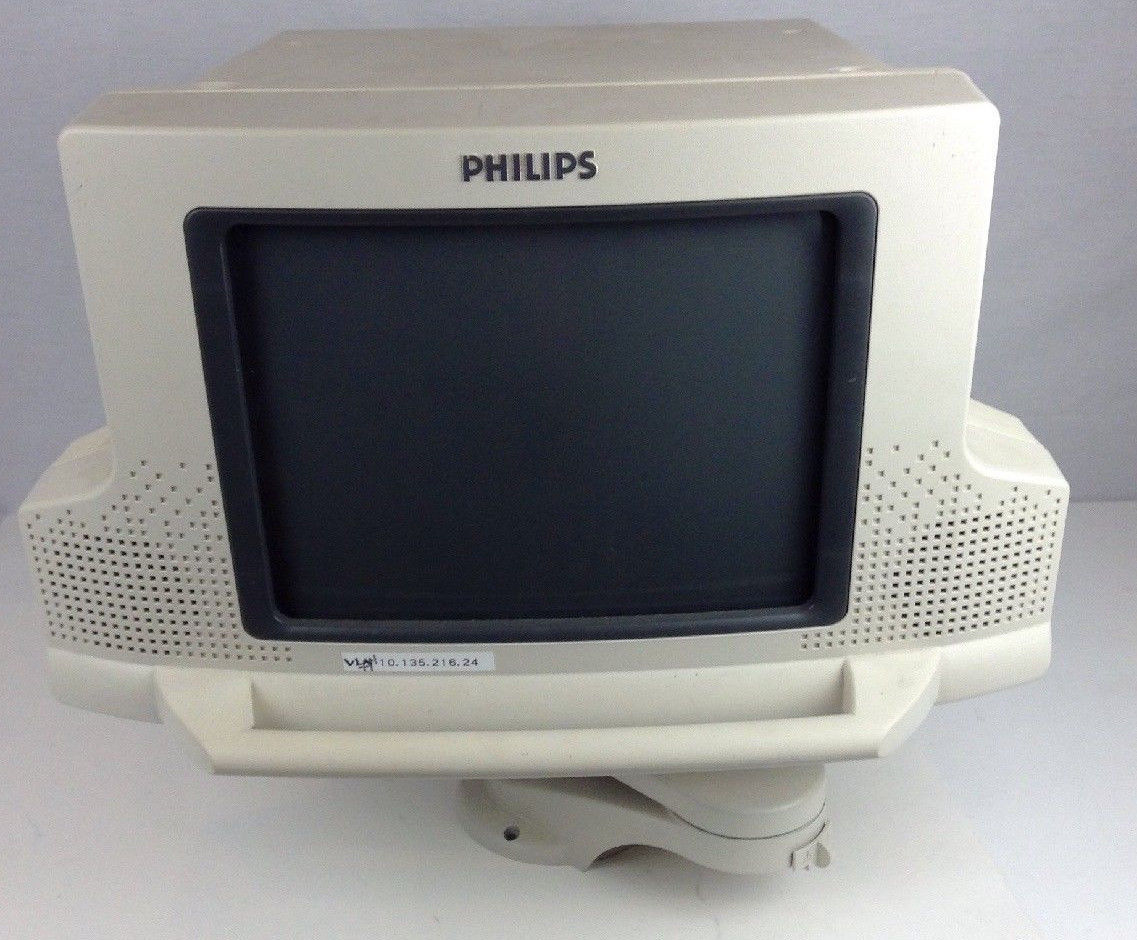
<point>546,56</point>
<point>397,80</point>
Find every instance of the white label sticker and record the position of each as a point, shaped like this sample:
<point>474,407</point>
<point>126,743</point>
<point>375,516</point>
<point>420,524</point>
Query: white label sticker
<point>416,661</point>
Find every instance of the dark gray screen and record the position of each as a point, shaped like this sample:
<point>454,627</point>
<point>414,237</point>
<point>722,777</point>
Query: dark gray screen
<point>537,420</point>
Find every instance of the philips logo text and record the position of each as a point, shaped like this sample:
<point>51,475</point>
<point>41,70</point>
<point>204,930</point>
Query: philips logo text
<point>528,167</point>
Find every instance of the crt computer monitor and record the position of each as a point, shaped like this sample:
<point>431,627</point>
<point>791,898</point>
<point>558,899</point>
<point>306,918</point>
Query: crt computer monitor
<point>581,412</point>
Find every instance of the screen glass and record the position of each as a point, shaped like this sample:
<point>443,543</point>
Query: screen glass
<point>533,417</point>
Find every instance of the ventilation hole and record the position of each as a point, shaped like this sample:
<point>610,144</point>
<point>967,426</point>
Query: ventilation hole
<point>983,563</point>
<point>137,588</point>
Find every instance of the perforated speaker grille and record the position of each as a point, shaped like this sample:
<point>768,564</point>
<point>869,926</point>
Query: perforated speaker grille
<point>145,569</point>
<point>940,550</point>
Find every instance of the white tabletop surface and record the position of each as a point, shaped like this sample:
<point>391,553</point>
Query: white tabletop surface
<point>1001,811</point>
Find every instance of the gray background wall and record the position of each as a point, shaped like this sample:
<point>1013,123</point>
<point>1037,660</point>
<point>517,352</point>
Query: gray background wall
<point>1058,342</point>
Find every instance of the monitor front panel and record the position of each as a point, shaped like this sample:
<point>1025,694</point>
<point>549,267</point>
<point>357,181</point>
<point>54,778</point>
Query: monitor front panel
<point>176,537</point>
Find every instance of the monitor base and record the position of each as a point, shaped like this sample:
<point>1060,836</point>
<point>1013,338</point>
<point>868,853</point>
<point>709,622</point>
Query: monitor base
<point>755,821</point>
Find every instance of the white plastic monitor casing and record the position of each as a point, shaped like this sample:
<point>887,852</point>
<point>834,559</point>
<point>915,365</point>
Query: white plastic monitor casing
<point>960,511</point>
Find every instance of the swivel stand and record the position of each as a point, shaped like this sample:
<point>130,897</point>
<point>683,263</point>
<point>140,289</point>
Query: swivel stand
<point>753,821</point>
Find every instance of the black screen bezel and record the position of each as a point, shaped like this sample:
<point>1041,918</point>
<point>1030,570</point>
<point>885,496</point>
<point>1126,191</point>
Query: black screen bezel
<point>206,232</point>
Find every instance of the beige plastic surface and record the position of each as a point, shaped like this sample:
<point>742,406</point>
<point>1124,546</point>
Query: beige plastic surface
<point>558,56</point>
<point>884,698</point>
<point>739,804</point>
<point>576,821</point>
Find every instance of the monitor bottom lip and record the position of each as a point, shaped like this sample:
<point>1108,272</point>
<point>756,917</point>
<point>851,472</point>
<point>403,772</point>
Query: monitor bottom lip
<point>237,721</point>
